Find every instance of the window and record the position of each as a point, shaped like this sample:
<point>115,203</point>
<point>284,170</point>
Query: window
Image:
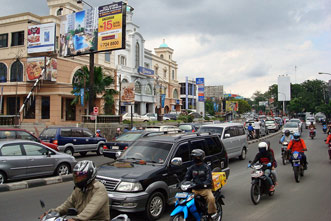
<point>11,108</point>
<point>3,72</point>
<point>30,109</point>
<point>156,70</point>
<point>65,132</point>
<point>25,136</point>
<point>165,74</point>
<point>146,65</point>
<point>7,134</point>
<point>17,38</point>
<point>183,151</point>
<point>122,60</point>
<point>173,74</point>
<point>87,133</point>
<point>107,56</point>
<point>198,144</point>
<point>233,131</point>
<point>3,40</point>
<point>45,108</point>
<point>227,131</point>
<point>241,130</point>
<point>16,72</point>
<point>137,54</point>
<point>138,87</point>
<point>212,145</point>
<point>175,94</point>
<point>161,56</point>
<point>35,150</point>
<point>76,133</point>
<point>59,11</point>
<point>149,89</point>
<point>11,150</point>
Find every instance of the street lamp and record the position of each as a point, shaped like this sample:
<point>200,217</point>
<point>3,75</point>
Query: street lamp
<point>81,1</point>
<point>324,73</point>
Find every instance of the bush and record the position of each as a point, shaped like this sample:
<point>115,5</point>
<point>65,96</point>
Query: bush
<point>186,118</point>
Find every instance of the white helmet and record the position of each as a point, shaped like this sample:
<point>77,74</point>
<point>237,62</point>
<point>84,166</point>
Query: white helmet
<point>263,146</point>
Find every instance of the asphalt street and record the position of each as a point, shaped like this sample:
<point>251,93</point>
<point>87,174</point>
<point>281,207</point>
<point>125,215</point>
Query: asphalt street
<point>308,200</point>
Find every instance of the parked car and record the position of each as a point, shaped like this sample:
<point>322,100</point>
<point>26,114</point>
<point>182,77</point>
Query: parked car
<point>279,121</point>
<point>188,127</point>
<point>110,149</point>
<point>171,116</point>
<point>145,176</point>
<point>292,127</point>
<point>195,115</point>
<point>297,121</point>
<point>309,120</point>
<point>233,137</point>
<point>135,117</point>
<point>16,133</point>
<point>72,140</point>
<point>22,159</point>
<point>272,125</point>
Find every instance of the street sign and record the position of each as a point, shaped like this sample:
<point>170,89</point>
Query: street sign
<point>95,110</point>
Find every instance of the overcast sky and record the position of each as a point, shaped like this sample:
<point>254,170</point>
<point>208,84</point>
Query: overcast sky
<point>243,44</point>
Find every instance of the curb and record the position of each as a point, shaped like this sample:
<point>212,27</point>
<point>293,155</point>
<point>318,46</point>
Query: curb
<point>265,137</point>
<point>34,183</point>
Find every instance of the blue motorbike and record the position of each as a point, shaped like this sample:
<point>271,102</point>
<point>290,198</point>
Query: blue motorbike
<point>298,167</point>
<point>191,207</point>
<point>325,128</point>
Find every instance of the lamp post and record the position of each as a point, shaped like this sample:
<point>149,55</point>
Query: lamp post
<point>324,73</point>
<point>283,101</point>
<point>81,1</point>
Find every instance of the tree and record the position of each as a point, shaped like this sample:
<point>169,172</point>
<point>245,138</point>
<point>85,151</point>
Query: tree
<point>243,106</point>
<point>101,86</point>
<point>209,107</point>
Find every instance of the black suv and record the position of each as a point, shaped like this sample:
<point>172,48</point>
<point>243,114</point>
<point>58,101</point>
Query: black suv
<point>144,177</point>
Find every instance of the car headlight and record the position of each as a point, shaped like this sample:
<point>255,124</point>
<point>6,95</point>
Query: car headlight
<point>129,187</point>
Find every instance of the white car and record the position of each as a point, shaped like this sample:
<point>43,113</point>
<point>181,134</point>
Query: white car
<point>297,121</point>
<point>153,117</point>
<point>135,117</point>
<point>292,127</point>
<point>164,128</point>
<point>309,120</point>
<point>272,125</point>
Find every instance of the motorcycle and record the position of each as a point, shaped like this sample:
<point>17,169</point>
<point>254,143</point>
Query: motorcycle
<point>325,128</point>
<point>55,216</point>
<point>298,167</point>
<point>260,184</point>
<point>191,207</point>
<point>250,135</point>
<point>312,133</point>
<point>285,153</point>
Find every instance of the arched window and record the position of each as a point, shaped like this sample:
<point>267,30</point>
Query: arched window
<point>137,54</point>
<point>161,56</point>
<point>16,71</point>
<point>3,72</point>
<point>124,81</point>
<point>59,11</point>
<point>149,89</point>
<point>77,76</point>
<point>175,95</point>
<point>137,86</point>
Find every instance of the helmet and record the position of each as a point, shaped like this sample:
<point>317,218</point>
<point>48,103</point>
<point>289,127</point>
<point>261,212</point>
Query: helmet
<point>84,173</point>
<point>287,133</point>
<point>198,155</point>
<point>118,129</point>
<point>263,147</point>
<point>98,131</point>
<point>296,136</point>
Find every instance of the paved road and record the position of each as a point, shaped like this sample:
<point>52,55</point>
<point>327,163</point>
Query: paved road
<point>308,200</point>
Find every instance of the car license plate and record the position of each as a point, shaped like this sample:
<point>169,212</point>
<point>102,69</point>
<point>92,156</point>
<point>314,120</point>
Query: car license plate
<point>181,195</point>
<point>115,147</point>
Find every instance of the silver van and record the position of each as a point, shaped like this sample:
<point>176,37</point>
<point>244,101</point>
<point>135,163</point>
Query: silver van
<point>232,135</point>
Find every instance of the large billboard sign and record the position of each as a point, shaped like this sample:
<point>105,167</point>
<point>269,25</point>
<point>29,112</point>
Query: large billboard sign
<point>284,88</point>
<point>35,66</point>
<point>41,38</point>
<point>127,93</point>
<point>232,106</point>
<point>93,30</point>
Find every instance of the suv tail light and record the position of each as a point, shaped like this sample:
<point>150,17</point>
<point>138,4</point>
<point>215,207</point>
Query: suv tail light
<point>125,148</point>
<point>105,147</point>
<point>55,142</point>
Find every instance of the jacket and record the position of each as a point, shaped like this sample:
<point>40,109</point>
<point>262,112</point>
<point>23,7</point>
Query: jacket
<point>328,139</point>
<point>264,158</point>
<point>93,204</point>
<point>299,146</point>
<point>200,175</point>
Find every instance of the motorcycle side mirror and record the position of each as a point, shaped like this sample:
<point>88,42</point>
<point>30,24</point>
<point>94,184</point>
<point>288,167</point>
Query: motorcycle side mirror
<point>72,212</point>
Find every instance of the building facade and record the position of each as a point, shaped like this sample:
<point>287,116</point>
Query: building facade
<point>188,94</point>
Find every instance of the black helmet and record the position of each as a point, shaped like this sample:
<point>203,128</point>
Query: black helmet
<point>198,155</point>
<point>287,133</point>
<point>84,173</point>
<point>296,136</point>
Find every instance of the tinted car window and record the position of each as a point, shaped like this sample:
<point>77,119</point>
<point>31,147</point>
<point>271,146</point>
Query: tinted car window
<point>233,131</point>
<point>241,130</point>
<point>76,132</point>
<point>87,133</point>
<point>49,133</point>
<point>211,146</point>
<point>128,137</point>
<point>183,151</point>
<point>213,130</point>
<point>34,150</point>
<point>198,144</point>
<point>219,146</point>
<point>7,134</point>
<point>227,131</point>
<point>11,150</point>
<point>65,132</point>
<point>25,136</point>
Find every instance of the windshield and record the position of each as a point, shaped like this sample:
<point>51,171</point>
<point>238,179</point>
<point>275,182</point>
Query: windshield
<point>269,122</point>
<point>213,130</point>
<point>185,127</point>
<point>150,152</point>
<point>310,119</point>
<point>129,137</point>
<point>291,124</point>
<point>295,120</point>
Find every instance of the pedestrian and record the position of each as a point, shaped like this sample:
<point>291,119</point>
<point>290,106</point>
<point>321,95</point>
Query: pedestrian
<point>257,126</point>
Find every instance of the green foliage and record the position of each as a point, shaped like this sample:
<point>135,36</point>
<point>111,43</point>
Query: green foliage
<point>243,106</point>
<point>207,118</point>
<point>186,118</point>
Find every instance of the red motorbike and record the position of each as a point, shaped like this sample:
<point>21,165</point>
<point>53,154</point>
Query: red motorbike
<point>312,133</point>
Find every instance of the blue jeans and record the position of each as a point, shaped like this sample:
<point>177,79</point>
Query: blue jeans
<point>267,174</point>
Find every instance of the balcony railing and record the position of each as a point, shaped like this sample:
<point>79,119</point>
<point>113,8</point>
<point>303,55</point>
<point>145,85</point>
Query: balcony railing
<point>101,119</point>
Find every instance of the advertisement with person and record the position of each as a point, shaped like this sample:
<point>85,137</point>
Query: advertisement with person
<point>41,38</point>
<point>231,106</point>
<point>35,66</point>
<point>127,93</point>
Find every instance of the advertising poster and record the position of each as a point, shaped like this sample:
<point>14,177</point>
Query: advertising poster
<point>41,38</point>
<point>35,66</point>
<point>200,82</point>
<point>110,24</point>
<point>163,96</point>
<point>284,88</point>
<point>128,93</point>
<point>231,106</point>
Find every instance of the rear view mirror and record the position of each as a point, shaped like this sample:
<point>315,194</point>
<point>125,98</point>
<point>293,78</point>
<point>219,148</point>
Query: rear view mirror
<point>177,161</point>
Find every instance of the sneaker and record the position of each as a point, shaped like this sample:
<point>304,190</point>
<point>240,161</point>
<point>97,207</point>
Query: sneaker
<point>272,188</point>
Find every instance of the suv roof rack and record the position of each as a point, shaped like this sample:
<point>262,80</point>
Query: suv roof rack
<point>193,134</point>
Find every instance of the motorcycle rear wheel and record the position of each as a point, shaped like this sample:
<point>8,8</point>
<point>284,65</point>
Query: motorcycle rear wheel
<point>177,217</point>
<point>255,193</point>
<point>296,174</point>
<point>219,211</point>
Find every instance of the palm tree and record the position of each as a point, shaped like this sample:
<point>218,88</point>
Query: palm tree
<point>101,86</point>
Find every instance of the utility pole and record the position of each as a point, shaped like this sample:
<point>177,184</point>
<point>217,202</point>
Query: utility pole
<point>91,86</point>
<point>120,90</point>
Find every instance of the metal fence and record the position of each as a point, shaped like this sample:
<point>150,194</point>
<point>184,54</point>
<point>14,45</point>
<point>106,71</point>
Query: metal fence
<point>101,119</point>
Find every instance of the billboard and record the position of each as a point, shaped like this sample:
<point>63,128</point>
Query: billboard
<point>232,106</point>
<point>284,88</point>
<point>93,30</point>
<point>145,71</point>
<point>41,38</point>
<point>35,66</point>
<point>127,93</point>
<point>200,82</point>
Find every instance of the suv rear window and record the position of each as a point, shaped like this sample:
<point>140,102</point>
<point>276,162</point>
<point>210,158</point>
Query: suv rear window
<point>213,130</point>
<point>48,133</point>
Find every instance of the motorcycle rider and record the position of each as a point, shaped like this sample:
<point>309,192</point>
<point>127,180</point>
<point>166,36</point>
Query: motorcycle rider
<point>250,129</point>
<point>200,174</point>
<point>287,137</point>
<point>312,127</point>
<point>98,133</point>
<point>89,196</point>
<point>265,157</point>
<point>298,144</point>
